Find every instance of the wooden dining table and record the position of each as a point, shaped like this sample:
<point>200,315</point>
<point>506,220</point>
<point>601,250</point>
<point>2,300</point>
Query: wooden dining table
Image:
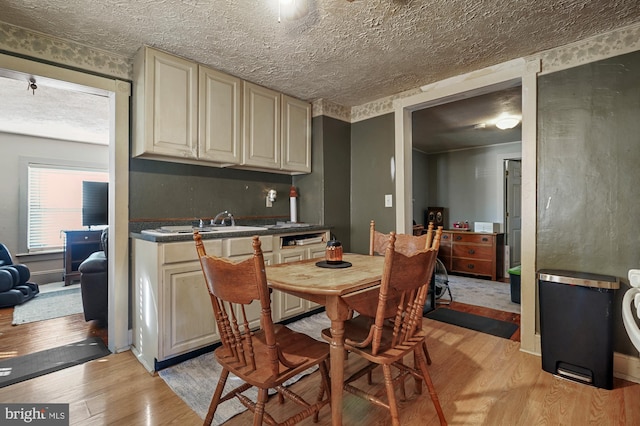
<point>330,287</point>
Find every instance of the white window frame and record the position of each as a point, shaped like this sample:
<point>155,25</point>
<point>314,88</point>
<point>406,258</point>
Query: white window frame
<point>25,164</point>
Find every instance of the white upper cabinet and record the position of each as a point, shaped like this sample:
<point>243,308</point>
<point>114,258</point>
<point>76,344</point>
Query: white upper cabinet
<point>296,135</point>
<point>219,117</point>
<point>165,118</point>
<point>261,127</point>
<point>277,131</point>
<point>186,112</point>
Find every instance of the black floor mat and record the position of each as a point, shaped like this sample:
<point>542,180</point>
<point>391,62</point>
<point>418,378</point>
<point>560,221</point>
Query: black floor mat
<point>474,322</point>
<point>18,369</point>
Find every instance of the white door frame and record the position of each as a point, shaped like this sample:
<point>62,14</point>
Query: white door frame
<point>508,74</point>
<point>119,92</point>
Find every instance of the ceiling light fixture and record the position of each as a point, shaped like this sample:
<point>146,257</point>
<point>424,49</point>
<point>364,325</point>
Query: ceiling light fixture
<point>283,3</point>
<point>507,122</point>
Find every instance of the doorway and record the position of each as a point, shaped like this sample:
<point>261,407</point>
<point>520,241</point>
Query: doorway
<point>118,93</point>
<point>482,81</point>
<point>513,210</point>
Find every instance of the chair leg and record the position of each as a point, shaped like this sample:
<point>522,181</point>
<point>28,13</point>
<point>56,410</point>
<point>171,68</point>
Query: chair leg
<point>426,352</point>
<point>432,390</point>
<point>258,415</point>
<point>216,397</point>
<point>415,363</point>
<point>391,396</point>
<point>325,386</point>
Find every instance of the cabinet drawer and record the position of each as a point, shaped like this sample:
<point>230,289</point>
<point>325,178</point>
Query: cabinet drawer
<point>475,251</point>
<point>472,266</point>
<point>83,236</point>
<point>445,249</point>
<point>244,245</point>
<point>185,251</point>
<point>472,238</point>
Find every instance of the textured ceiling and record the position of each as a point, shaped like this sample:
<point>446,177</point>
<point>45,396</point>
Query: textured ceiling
<point>348,53</point>
<point>345,52</point>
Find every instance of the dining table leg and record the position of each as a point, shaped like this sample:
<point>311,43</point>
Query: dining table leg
<point>337,313</point>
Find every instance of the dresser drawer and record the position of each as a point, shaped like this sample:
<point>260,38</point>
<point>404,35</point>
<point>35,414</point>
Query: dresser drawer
<point>472,238</point>
<point>473,266</point>
<point>476,251</point>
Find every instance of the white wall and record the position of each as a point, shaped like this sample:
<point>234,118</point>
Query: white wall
<point>14,150</point>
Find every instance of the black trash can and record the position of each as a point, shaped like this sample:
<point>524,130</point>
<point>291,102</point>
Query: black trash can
<point>576,325</point>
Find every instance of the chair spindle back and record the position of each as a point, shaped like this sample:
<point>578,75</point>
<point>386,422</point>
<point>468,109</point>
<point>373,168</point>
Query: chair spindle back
<point>232,286</point>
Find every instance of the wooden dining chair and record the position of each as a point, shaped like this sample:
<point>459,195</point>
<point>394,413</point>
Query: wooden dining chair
<point>263,358</point>
<point>395,329</point>
<point>407,245</point>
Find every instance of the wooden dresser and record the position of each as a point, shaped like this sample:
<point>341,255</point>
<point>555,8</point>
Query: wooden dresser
<point>475,253</point>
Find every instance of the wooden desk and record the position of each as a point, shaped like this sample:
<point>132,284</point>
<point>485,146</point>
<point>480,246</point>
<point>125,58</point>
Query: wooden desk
<point>328,287</point>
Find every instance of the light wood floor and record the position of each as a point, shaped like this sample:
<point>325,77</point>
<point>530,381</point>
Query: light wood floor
<point>480,379</point>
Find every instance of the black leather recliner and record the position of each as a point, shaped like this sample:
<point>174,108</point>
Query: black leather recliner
<point>15,287</point>
<point>94,283</point>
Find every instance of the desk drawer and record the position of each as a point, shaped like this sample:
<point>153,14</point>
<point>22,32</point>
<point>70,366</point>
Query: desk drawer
<point>472,238</point>
<point>473,266</point>
<point>476,251</point>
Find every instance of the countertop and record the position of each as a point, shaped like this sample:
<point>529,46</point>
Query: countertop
<point>271,230</point>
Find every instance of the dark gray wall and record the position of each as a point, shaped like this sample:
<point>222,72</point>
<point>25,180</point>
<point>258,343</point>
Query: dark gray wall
<point>588,174</point>
<point>326,191</point>
<point>372,147</point>
<point>163,190</point>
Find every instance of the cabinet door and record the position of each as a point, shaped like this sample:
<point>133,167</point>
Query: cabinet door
<point>291,255</point>
<point>186,321</point>
<point>315,252</point>
<point>296,135</point>
<point>170,105</point>
<point>287,305</point>
<point>261,137</point>
<point>219,117</point>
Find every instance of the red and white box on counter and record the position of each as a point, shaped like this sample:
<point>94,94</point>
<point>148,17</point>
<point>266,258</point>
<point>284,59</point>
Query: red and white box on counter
<point>489,227</point>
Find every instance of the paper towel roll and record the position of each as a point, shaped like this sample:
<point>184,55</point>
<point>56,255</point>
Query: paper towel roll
<point>294,216</point>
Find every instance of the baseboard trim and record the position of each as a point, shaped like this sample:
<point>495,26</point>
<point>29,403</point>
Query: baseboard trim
<point>46,277</point>
<point>626,367</point>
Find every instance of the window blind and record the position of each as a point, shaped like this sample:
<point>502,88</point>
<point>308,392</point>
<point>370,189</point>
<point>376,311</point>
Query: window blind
<point>55,203</point>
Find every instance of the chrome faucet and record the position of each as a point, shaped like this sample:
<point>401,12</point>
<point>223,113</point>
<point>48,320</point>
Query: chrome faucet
<point>227,216</point>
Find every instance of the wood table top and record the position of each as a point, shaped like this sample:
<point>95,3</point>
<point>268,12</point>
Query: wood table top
<point>305,277</point>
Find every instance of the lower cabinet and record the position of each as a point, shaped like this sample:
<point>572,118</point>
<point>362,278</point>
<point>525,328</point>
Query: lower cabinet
<point>172,308</point>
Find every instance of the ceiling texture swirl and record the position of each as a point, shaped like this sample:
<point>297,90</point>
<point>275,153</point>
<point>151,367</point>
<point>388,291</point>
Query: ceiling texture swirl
<point>345,52</point>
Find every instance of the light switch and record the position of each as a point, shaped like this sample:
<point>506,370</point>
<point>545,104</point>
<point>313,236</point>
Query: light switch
<point>388,200</point>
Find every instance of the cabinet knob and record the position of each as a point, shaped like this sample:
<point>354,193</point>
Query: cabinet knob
<point>86,238</point>
<point>485,239</point>
<point>458,237</point>
<point>470,266</point>
<point>471,251</point>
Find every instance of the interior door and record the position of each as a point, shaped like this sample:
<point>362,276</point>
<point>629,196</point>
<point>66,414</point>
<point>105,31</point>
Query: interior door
<point>513,206</point>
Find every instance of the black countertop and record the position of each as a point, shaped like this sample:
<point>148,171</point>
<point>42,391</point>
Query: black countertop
<point>272,230</point>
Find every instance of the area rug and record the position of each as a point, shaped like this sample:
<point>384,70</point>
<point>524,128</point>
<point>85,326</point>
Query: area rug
<point>194,380</point>
<point>479,292</point>
<point>49,305</point>
<point>491,326</point>
<point>21,368</point>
